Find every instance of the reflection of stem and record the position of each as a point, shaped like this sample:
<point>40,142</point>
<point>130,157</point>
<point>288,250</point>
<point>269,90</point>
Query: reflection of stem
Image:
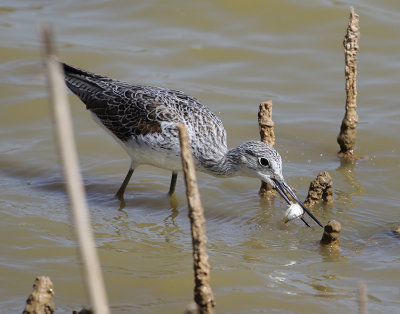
<point>347,168</point>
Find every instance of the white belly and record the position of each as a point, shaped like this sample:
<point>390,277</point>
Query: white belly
<point>148,150</point>
<point>157,157</point>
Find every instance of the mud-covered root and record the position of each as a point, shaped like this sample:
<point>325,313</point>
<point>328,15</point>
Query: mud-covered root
<point>320,189</point>
<point>266,124</point>
<point>40,300</point>
<point>330,238</point>
<point>347,136</point>
<point>267,136</point>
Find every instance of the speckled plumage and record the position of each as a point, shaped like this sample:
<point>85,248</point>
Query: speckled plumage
<point>143,120</point>
<point>145,117</point>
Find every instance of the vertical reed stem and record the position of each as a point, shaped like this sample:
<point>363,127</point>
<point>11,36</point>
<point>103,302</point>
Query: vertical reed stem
<point>363,298</point>
<point>347,136</point>
<point>267,136</point>
<point>73,180</point>
<point>203,294</point>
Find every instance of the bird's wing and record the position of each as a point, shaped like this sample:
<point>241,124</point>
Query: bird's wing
<point>128,110</point>
<point>122,108</point>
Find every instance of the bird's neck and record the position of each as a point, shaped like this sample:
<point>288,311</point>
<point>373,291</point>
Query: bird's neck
<point>228,165</point>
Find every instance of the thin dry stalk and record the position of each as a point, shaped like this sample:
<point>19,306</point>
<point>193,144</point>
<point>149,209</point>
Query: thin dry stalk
<point>203,294</point>
<point>40,300</point>
<point>347,136</point>
<point>67,149</point>
<point>362,298</point>
<point>267,136</point>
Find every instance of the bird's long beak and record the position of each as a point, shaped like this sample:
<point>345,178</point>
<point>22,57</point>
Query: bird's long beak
<point>282,188</point>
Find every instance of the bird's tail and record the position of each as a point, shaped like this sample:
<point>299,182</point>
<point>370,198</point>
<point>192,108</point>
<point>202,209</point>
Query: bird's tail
<point>85,84</point>
<point>71,72</point>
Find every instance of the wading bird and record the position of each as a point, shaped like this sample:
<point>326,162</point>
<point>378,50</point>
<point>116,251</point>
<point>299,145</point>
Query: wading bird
<point>143,120</point>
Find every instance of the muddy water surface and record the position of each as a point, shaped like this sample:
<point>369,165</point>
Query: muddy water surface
<point>231,55</point>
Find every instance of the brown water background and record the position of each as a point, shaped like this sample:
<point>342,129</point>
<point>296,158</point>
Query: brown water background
<point>231,55</point>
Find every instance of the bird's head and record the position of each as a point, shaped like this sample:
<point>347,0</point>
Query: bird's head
<point>258,159</point>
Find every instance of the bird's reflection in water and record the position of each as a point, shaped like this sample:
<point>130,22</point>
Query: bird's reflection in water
<point>168,228</point>
<point>171,228</point>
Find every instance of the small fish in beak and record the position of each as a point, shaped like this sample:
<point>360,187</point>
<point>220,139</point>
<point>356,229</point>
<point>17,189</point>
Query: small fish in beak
<point>282,187</point>
<point>293,212</point>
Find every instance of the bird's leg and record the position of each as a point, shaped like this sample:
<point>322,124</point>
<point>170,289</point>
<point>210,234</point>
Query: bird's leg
<point>173,183</point>
<point>121,190</point>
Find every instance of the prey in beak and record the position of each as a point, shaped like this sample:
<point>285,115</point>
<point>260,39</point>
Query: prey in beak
<point>283,188</point>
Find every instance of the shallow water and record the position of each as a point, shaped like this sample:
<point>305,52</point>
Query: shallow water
<point>231,55</point>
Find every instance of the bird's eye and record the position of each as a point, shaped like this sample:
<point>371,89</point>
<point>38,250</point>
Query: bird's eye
<point>263,162</point>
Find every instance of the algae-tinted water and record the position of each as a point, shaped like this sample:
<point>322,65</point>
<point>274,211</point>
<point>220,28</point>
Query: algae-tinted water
<point>231,56</point>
